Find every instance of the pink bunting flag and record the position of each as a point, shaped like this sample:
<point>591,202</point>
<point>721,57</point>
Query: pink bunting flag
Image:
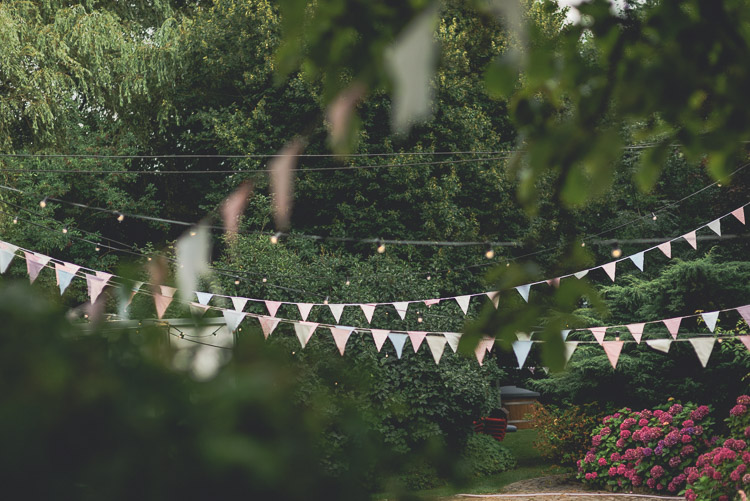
<point>162,302</point>
<point>554,282</point>
<point>340,337</point>
<point>610,268</point>
<point>494,297</point>
<point>267,325</point>
<point>34,264</point>
<point>379,336</point>
<point>272,307</point>
<point>636,330</point>
<point>691,239</point>
<point>598,333</point>
<point>304,309</point>
<point>197,309</point>
<point>368,310</point>
<point>95,286</point>
<point>430,302</point>
<point>483,347</point>
<point>739,214</point>
<point>666,248</point>
<point>64,273</point>
<point>165,289</point>
<point>746,341</point>
<point>673,325</point>
<point>613,349</point>
<point>745,312</point>
<point>416,339</point>
<point>453,338</point>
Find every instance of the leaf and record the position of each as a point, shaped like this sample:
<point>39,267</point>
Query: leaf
<point>193,252</point>
<point>282,182</point>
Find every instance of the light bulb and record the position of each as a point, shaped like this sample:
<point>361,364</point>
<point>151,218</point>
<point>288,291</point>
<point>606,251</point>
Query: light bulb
<point>653,216</point>
<point>419,320</point>
<point>15,220</point>
<point>120,217</point>
<point>583,244</point>
<point>43,203</point>
<point>348,283</point>
<point>507,265</point>
<point>192,233</point>
<point>149,258</point>
<point>381,247</point>
<point>720,340</point>
<point>97,248</point>
<point>64,230</point>
<point>265,280</point>
<point>616,252</point>
<point>429,277</point>
<point>325,301</point>
<point>236,281</point>
<point>275,238</point>
<point>489,254</point>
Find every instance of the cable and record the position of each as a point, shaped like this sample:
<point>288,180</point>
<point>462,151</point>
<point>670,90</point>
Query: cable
<point>252,155</point>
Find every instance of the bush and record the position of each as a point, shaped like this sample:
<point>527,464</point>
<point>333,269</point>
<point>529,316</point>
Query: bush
<point>650,449</point>
<point>484,456</point>
<point>563,432</point>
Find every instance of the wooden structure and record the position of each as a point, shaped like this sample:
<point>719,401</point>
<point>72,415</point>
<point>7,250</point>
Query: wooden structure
<point>519,402</point>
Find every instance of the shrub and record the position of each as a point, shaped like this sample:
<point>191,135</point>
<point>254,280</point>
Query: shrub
<point>484,456</point>
<point>649,449</point>
<point>563,431</point>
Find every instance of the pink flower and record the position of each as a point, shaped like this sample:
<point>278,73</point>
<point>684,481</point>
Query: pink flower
<point>675,409</point>
<point>602,462</point>
<point>738,410</point>
<point>699,413</point>
<point>625,434</point>
<point>743,399</point>
<point>643,422</point>
<point>657,471</point>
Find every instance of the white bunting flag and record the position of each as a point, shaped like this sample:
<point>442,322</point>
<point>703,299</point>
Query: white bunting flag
<point>739,214</point>
<point>638,260</point>
<point>570,347</point>
<point>494,297</point>
<point>398,340</point>
<point>673,325</point>
<point>565,333</point>
<point>416,339</point>
<point>401,309</point>
<point>523,290</point>
<point>610,268</point>
<point>437,347</point>
<point>523,336</point>
<point>660,344</point>
<point>34,264</point>
<point>204,297</point>
<point>746,341</point>
<point>703,347</point>
<point>165,289</point>
<point>521,349</point>
<point>233,319</point>
<point>268,325</point>
<point>95,286</point>
<point>304,331</point>
<point>368,310</point>
<point>7,253</point>
<point>613,349</point>
<point>336,311</point>
<point>197,309</point>
<point>598,333</point>
<point>546,370</point>
<point>453,338</point>
<point>340,337</point>
<point>691,239</point>
<point>745,312</point>
<point>710,318</point>
<point>65,273</point>
<point>715,226</point>
<point>272,307</point>
<point>463,302</point>
<point>379,336</point>
<point>580,274</point>
<point>636,330</point>
<point>666,248</point>
<point>239,303</point>
<point>304,309</point>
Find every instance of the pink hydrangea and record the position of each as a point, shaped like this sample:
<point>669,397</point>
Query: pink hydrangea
<point>699,413</point>
<point>657,471</point>
<point>743,399</point>
<point>738,410</point>
<point>675,409</point>
<point>602,462</point>
<point>643,422</point>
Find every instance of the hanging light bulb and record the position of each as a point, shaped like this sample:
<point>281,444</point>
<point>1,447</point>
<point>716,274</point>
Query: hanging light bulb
<point>381,246</point>
<point>489,253</point>
<point>265,280</point>
<point>507,265</point>
<point>616,251</point>
<point>583,244</point>
<point>420,320</point>
<point>15,219</point>
<point>97,248</point>
<point>149,258</point>
<point>275,238</point>
<point>653,216</point>
<point>193,233</point>
<point>347,282</point>
<point>43,203</point>
<point>325,301</point>
<point>429,277</point>
<point>236,280</point>
<point>64,230</point>
<point>120,217</point>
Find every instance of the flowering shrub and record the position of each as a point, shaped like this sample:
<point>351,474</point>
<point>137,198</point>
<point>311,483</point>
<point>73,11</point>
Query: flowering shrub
<point>648,449</point>
<point>722,472</point>
<point>563,431</point>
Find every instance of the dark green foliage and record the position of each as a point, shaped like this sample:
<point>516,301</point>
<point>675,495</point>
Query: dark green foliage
<point>485,456</point>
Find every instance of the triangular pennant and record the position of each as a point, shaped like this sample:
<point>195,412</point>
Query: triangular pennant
<point>666,248</point>
<point>437,347</point>
<point>65,273</point>
<point>691,239</point>
<point>368,310</point>
<point>136,287</point>
<point>638,260</point>
<point>379,336</point>
<point>570,347</point>
<point>523,290</point>
<point>304,309</point>
<point>162,302</point>
<point>430,302</point>
<point>715,226</point>
<point>613,349</point>
<point>521,349</point>
<point>710,318</point>
<point>267,325</point>
<point>739,214</point>
<point>703,347</point>
<point>581,274</point>
<point>416,339</point>
<point>546,370</point>
<point>636,330</point>
<point>165,289</point>
<point>398,341</point>
<point>495,298</point>
<point>673,325</point>
<point>336,311</point>
<point>483,347</point>
<point>660,344</point>
<point>598,333</point>
<point>463,302</point>
<point>745,312</point>
<point>95,286</point>
<point>523,336</point>
<point>34,264</point>
<point>204,297</point>
<point>340,337</point>
<point>233,319</point>
<point>7,253</point>
<point>272,307</point>
<point>401,309</point>
<point>746,341</point>
<point>453,338</point>
<point>554,282</point>
<point>239,303</point>
<point>610,268</point>
<point>197,309</point>
<point>565,333</point>
<point>304,331</point>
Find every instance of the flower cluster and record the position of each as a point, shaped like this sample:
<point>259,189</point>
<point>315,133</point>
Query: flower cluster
<point>648,449</point>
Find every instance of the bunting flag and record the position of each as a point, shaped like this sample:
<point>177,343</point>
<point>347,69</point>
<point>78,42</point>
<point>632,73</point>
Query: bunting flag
<point>136,287</point>
<point>267,325</point>
<point>739,214</point>
<point>401,309</point>
<point>379,336</point>
<point>715,226</point>
<point>272,307</point>
<point>239,303</point>
<point>416,339</point>
<point>565,333</point>
<point>483,347</point>
<point>95,286</point>
<point>368,310</point>
<point>336,311</point>
<point>523,336</point>
<point>398,341</point>
<point>703,347</point>
<point>612,349</point>
<point>430,302</point>
<point>494,297</point>
<point>666,248</point>
<point>521,349</point>
<point>341,336</point>
<point>660,344</point>
<point>204,297</point>
<point>523,290</point>
<point>610,268</point>
<point>746,341</point>
<point>304,309</point>
<point>162,302</point>
<point>304,331</point>
<point>554,282</point>
<point>7,253</point>
<point>197,309</point>
<point>638,260</point>
<point>34,264</point>
<point>598,333</point>
<point>745,312</point>
<point>691,239</point>
<point>636,330</point>
<point>65,273</point>
<point>437,347</point>
<point>710,318</point>
<point>570,347</point>
<point>463,302</point>
<point>580,274</point>
<point>673,325</point>
<point>452,338</point>
<point>233,319</point>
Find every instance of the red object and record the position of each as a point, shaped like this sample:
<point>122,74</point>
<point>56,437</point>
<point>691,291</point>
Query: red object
<point>494,427</point>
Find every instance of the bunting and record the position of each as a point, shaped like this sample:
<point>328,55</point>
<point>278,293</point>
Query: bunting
<point>304,331</point>
<point>660,344</point>
<point>744,311</point>
<point>197,309</point>
<point>463,302</point>
<point>580,274</point>
<point>692,239</point>
<point>521,349</point>
<point>710,318</point>
<point>379,336</point>
<point>610,268</point>
<point>599,333</point>
<point>569,347</point>
<point>163,299</point>
<point>398,340</point>
<point>233,319</point>
<point>636,330</point>
<point>416,339</point>
<point>494,297</point>
<point>304,309</point>
<point>336,311</point>
<point>268,325</point>
<point>483,347</point>
<point>523,290</point>
<point>638,260</point>
<point>715,226</point>
<point>437,347</point>
<point>612,349</point>
<point>666,248</point>
<point>65,273</point>
<point>739,214</point>
<point>703,347</point>
<point>341,336</point>
<point>204,297</point>
<point>452,338</point>
<point>7,253</point>
<point>239,303</point>
<point>673,325</point>
<point>401,309</point>
<point>272,307</point>
<point>368,310</point>
<point>34,264</point>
